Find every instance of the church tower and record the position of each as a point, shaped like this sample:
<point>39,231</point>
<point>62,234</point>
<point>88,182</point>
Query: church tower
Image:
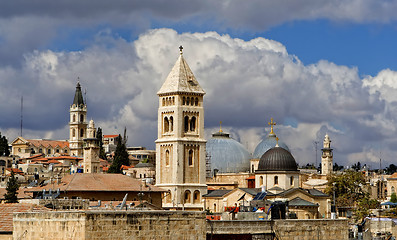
<point>91,150</point>
<point>326,157</point>
<point>77,124</point>
<point>180,147</point>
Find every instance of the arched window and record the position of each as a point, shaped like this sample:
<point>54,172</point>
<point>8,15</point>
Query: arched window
<point>291,180</point>
<point>196,102</point>
<point>183,101</point>
<point>173,100</point>
<point>193,124</point>
<point>81,132</point>
<point>166,125</point>
<point>171,124</point>
<point>187,198</point>
<point>186,123</point>
<point>196,196</point>
<point>187,100</point>
<point>81,118</point>
<point>49,151</point>
<point>252,168</point>
<point>74,117</point>
<point>190,157</point>
<point>275,180</point>
<point>261,181</point>
<point>163,102</point>
<point>167,157</point>
<point>192,101</point>
<point>214,207</point>
<point>73,133</point>
<point>94,133</point>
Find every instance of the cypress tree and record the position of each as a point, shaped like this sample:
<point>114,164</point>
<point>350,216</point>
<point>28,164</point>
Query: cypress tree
<point>11,196</point>
<point>102,154</point>
<point>120,157</point>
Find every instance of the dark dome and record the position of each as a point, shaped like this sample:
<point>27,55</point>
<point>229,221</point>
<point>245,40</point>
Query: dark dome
<point>277,159</point>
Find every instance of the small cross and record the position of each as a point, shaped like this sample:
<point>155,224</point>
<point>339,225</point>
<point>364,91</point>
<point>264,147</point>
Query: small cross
<point>271,123</point>
<point>180,49</point>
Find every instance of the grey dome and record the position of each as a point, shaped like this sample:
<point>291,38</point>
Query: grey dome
<point>277,159</point>
<point>226,154</point>
<point>266,144</point>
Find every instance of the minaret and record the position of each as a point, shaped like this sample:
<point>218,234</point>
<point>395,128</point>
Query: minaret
<point>91,150</point>
<point>326,157</point>
<point>180,147</point>
<point>77,124</point>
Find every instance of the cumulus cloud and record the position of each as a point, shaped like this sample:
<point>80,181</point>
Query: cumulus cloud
<point>246,82</point>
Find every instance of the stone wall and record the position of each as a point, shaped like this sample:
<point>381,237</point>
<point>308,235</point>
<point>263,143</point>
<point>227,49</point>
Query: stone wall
<point>286,229</point>
<point>110,225</point>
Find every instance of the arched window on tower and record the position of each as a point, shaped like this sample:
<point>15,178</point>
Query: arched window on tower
<point>196,196</point>
<point>166,125</point>
<point>291,180</point>
<point>196,102</point>
<point>187,198</point>
<point>193,124</point>
<point>275,180</point>
<point>183,101</point>
<point>73,132</point>
<point>167,157</point>
<point>74,117</point>
<point>190,157</point>
<point>171,124</point>
<point>81,118</point>
<point>81,132</point>
<point>186,123</point>
<point>187,100</point>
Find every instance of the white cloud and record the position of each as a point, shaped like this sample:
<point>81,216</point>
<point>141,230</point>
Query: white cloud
<point>247,82</point>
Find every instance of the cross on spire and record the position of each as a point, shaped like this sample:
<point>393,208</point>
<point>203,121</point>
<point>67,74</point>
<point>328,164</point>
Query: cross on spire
<point>180,49</point>
<point>272,124</point>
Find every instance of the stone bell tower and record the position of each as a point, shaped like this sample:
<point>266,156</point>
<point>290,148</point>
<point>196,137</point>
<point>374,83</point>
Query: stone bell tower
<point>77,124</point>
<point>180,147</point>
<point>91,150</point>
<point>326,157</point>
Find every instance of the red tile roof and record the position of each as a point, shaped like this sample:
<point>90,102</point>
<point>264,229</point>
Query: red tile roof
<point>21,193</point>
<point>8,209</point>
<point>110,136</point>
<point>98,182</point>
<point>15,170</point>
<point>46,143</point>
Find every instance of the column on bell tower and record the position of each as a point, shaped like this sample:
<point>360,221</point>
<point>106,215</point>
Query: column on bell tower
<point>77,124</point>
<point>180,147</point>
<point>326,157</point>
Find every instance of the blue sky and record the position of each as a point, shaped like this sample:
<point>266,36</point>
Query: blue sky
<point>315,66</point>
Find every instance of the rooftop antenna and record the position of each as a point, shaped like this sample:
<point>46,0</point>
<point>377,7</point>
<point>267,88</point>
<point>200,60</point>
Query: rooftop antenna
<point>21,114</point>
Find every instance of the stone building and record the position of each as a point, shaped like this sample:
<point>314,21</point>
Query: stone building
<point>91,150</point>
<point>180,146</point>
<point>25,148</point>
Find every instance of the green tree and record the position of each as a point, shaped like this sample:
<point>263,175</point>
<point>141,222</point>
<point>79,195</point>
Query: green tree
<point>393,198</point>
<point>120,157</point>
<point>391,169</point>
<point>351,191</point>
<point>102,154</point>
<point>4,151</point>
<point>11,196</point>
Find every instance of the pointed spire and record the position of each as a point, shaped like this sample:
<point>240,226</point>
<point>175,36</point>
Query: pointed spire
<point>78,96</point>
<point>181,79</point>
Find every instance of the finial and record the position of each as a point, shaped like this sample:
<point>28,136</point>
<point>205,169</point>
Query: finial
<point>181,49</point>
<point>277,141</point>
<point>271,123</point>
<point>220,126</point>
